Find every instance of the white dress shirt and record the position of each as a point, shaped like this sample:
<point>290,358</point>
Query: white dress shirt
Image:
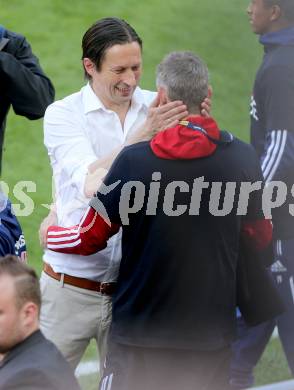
<point>78,130</point>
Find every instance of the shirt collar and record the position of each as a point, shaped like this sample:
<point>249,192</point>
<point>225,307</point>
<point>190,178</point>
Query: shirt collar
<point>138,100</point>
<point>92,102</point>
<point>282,37</point>
<point>34,338</point>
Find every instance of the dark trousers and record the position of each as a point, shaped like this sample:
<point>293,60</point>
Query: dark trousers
<point>252,341</point>
<point>138,368</point>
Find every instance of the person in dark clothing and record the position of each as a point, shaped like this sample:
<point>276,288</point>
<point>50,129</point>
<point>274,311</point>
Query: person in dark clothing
<point>12,239</point>
<point>272,136</point>
<point>174,306</point>
<point>30,361</point>
<point>24,85</point>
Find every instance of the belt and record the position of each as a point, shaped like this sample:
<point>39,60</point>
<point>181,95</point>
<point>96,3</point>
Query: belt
<point>103,288</point>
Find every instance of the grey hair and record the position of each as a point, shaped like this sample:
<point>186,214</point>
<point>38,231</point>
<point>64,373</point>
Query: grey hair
<point>185,77</point>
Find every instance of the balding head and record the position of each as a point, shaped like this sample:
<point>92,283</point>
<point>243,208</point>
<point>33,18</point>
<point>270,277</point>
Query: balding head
<point>20,302</point>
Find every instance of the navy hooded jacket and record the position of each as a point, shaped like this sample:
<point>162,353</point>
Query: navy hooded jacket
<point>272,120</point>
<point>12,240</point>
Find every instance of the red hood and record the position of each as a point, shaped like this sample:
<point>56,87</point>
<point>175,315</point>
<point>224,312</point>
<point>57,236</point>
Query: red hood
<point>182,142</point>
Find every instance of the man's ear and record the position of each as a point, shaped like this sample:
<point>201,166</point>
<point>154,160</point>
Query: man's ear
<point>162,96</point>
<point>29,314</point>
<point>89,66</point>
<point>276,13</point>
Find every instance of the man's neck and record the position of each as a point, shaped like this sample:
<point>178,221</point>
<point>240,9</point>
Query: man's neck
<point>280,25</point>
<point>194,113</point>
<point>120,109</point>
<point>30,331</point>
<point>25,336</point>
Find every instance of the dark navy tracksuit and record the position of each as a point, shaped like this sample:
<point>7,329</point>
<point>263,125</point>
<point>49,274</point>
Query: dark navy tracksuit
<point>12,240</point>
<point>272,135</point>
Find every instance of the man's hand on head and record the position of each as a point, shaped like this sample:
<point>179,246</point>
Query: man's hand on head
<point>159,117</point>
<point>206,104</point>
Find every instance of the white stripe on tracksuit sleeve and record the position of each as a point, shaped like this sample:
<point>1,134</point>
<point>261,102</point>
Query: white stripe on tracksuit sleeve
<point>274,153</point>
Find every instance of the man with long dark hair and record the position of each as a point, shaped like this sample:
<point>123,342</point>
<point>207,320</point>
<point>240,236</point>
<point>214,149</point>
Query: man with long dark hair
<point>84,132</point>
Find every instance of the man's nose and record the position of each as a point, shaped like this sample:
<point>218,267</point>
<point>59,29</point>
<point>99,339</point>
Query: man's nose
<point>130,78</point>
<point>248,10</point>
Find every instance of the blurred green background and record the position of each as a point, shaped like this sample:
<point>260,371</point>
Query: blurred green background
<point>216,30</point>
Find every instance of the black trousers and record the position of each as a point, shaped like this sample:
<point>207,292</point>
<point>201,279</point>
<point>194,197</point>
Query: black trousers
<point>252,341</point>
<point>138,368</point>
